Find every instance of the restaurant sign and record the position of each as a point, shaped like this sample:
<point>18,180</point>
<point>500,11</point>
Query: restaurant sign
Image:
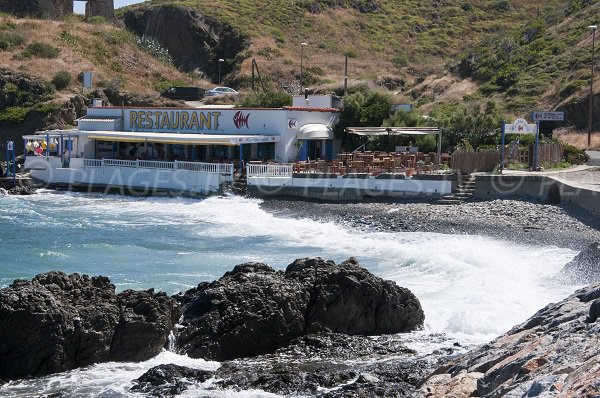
<point>548,116</point>
<point>520,126</point>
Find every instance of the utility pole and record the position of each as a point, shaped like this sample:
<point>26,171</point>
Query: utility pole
<point>593,28</point>
<point>346,76</point>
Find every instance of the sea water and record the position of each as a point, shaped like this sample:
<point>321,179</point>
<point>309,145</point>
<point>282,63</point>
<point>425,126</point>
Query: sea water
<point>472,288</point>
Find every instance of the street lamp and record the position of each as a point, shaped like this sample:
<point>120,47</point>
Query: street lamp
<point>302,45</point>
<point>593,28</point>
<point>221,60</point>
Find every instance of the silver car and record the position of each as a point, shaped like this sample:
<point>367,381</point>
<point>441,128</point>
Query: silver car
<point>221,91</point>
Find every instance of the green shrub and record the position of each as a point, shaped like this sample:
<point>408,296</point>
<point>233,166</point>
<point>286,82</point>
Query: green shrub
<point>350,53</point>
<point>502,5</point>
<point>96,19</point>
<point>41,50</point>
<point>46,107</point>
<point>268,100</point>
<point>9,40</point>
<point>8,25</point>
<point>400,61</point>
<point>69,38</point>
<point>573,155</point>
<point>14,114</point>
<point>570,88</point>
<point>153,47</point>
<point>61,80</point>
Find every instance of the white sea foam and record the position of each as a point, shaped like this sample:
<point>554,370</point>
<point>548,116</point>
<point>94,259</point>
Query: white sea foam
<point>111,379</point>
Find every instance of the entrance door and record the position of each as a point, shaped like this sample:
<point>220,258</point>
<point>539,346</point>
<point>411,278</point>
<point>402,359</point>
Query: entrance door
<point>314,149</point>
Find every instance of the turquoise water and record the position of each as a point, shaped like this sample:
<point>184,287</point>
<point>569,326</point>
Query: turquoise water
<point>165,243</point>
<point>467,285</point>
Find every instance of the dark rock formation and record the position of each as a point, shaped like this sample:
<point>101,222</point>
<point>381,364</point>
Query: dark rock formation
<point>554,353</point>
<point>168,380</point>
<point>576,112</point>
<point>17,89</point>
<point>58,322</point>
<point>584,268</point>
<point>319,365</point>
<point>193,40</point>
<point>254,310</point>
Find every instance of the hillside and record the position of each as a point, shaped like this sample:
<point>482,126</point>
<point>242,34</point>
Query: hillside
<point>544,64</point>
<point>41,62</point>
<point>42,48</point>
<point>404,40</point>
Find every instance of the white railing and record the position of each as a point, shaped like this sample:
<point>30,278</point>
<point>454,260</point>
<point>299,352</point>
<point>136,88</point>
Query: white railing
<point>152,164</point>
<point>119,163</point>
<point>220,168</point>
<point>92,162</point>
<point>269,170</point>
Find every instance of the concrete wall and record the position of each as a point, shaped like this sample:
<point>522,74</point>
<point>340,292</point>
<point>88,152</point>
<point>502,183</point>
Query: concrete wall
<point>337,188</point>
<point>543,188</point>
<point>133,180</point>
<point>100,8</point>
<point>56,9</point>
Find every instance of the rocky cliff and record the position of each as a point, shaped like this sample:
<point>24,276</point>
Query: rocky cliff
<point>576,112</point>
<point>194,40</point>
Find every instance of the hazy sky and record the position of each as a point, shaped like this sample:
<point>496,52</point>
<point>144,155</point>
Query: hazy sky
<point>80,5</point>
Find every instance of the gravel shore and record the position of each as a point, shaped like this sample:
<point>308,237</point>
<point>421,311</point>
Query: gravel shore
<point>515,220</point>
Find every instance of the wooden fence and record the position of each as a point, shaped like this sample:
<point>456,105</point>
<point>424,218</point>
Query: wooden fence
<point>486,160</point>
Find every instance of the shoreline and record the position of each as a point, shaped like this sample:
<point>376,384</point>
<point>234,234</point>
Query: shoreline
<point>517,220</point>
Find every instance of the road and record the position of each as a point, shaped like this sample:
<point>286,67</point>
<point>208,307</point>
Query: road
<point>594,158</point>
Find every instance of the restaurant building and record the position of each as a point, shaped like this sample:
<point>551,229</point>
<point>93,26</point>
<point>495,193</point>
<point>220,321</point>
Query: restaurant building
<point>184,149</point>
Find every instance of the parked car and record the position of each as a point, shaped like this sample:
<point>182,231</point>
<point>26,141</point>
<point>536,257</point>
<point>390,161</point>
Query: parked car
<point>184,93</point>
<point>221,91</point>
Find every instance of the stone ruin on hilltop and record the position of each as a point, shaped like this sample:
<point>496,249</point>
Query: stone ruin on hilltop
<point>56,9</point>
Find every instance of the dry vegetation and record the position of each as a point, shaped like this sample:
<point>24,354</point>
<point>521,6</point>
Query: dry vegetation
<point>111,53</point>
<point>407,39</point>
<point>578,139</point>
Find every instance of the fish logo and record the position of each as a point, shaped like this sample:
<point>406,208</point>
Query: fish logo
<point>240,120</point>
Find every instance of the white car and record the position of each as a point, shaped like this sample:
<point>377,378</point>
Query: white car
<point>221,91</point>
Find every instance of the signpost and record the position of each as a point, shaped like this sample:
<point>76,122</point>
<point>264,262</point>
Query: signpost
<point>548,116</point>
<point>520,126</point>
<point>10,154</point>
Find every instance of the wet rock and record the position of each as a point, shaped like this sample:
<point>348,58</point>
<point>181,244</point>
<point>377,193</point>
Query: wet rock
<point>330,365</point>
<point>58,322</point>
<point>169,380</point>
<point>254,310</point>
<point>554,353</point>
<point>584,268</point>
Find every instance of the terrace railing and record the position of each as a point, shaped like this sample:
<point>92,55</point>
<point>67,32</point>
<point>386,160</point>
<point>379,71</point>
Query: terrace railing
<point>269,170</point>
<point>220,168</point>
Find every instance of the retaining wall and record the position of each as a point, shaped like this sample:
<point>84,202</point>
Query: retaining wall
<point>544,188</point>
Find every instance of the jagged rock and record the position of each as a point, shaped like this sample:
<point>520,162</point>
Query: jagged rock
<point>254,310</point>
<point>195,41</point>
<point>554,353</point>
<point>58,322</point>
<point>323,365</point>
<point>169,380</point>
<point>584,268</point>
<point>18,88</point>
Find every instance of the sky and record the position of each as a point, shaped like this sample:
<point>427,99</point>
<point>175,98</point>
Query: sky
<point>80,5</point>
